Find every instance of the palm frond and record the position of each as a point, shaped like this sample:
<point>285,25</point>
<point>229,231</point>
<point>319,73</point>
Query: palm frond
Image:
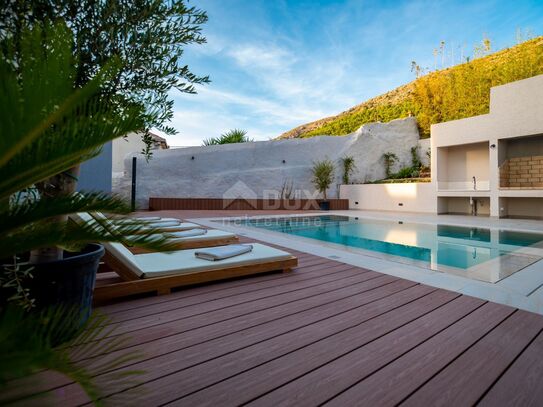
<point>27,346</point>
<point>75,235</point>
<point>230,137</point>
<point>46,126</point>
<point>22,214</point>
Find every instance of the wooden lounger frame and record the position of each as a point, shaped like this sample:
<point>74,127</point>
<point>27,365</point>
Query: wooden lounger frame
<point>194,244</point>
<point>163,285</point>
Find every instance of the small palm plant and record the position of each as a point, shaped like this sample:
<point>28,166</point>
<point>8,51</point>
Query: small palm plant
<point>48,127</point>
<point>323,175</point>
<point>230,137</point>
<point>348,167</point>
<point>390,159</point>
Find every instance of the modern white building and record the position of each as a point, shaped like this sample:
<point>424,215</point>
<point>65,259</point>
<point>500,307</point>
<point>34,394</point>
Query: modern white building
<point>487,165</point>
<point>493,164</point>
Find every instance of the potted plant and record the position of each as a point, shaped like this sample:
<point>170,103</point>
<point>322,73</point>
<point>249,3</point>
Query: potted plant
<point>323,176</point>
<point>48,127</point>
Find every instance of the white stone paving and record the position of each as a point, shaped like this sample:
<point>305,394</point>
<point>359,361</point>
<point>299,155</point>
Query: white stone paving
<point>523,289</point>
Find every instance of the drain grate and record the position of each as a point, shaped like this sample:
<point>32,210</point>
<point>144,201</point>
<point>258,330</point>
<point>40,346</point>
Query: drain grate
<point>334,257</point>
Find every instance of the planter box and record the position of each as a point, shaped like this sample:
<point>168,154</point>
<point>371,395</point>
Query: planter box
<point>158,204</point>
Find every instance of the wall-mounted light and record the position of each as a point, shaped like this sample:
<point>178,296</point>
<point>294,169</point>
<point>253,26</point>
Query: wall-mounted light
<point>493,146</point>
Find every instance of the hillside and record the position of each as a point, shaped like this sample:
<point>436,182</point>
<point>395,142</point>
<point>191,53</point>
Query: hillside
<point>453,93</point>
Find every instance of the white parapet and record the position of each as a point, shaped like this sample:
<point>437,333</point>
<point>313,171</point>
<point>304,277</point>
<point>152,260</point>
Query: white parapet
<point>405,197</point>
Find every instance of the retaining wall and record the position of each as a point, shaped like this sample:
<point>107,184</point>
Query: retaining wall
<point>261,169</point>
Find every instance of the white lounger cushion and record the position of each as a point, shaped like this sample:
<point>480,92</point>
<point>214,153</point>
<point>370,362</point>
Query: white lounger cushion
<point>149,218</point>
<point>154,223</point>
<point>157,218</point>
<point>188,233</point>
<point>211,234</point>
<point>173,228</point>
<point>151,265</point>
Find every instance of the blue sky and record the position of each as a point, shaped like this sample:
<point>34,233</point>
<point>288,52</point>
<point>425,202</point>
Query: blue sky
<point>275,64</point>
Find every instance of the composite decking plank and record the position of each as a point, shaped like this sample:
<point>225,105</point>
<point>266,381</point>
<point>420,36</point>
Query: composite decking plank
<point>466,379</point>
<point>175,362</point>
<point>196,344</point>
<point>315,268</point>
<point>223,321</point>
<point>180,297</point>
<point>522,383</point>
<point>391,384</point>
<point>240,376</point>
<point>331,272</point>
<point>195,329</point>
<point>249,329</point>
<point>341,291</point>
<point>196,321</point>
<point>322,384</point>
<point>242,303</point>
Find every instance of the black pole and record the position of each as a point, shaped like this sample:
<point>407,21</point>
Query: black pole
<point>133,195</point>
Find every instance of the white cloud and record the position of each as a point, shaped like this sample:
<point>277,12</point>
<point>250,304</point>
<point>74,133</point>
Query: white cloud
<point>291,91</point>
<point>253,56</point>
<point>275,112</point>
<point>195,126</point>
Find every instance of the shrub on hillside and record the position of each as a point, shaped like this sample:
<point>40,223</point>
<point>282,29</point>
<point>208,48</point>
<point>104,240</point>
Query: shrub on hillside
<point>448,94</point>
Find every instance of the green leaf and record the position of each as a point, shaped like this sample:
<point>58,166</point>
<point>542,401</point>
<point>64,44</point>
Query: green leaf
<point>46,126</point>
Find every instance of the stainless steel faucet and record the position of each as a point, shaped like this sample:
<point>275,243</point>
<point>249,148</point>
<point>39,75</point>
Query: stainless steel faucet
<point>474,183</point>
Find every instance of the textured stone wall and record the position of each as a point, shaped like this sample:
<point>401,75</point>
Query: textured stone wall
<point>522,172</point>
<point>261,169</point>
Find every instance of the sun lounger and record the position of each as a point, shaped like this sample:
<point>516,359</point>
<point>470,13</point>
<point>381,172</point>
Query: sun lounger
<point>159,272</point>
<point>166,227</point>
<point>185,235</point>
<point>197,238</point>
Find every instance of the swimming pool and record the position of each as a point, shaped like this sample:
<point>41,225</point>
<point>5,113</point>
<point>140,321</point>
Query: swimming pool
<point>479,253</point>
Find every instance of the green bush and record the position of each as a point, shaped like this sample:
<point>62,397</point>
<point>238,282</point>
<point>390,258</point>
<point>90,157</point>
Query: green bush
<point>406,172</point>
<point>415,159</point>
<point>230,137</point>
<point>401,181</point>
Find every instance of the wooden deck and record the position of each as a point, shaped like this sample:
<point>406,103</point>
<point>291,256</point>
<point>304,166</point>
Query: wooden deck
<point>328,333</point>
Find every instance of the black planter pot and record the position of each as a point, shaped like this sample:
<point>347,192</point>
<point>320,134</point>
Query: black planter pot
<point>324,205</point>
<point>68,282</point>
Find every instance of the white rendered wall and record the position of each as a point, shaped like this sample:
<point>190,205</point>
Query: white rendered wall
<point>516,110</point>
<point>123,146</point>
<point>413,197</point>
<point>259,169</point>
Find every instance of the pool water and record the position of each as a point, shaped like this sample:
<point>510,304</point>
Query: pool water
<point>436,245</point>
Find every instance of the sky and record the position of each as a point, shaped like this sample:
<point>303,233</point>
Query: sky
<point>276,64</point>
